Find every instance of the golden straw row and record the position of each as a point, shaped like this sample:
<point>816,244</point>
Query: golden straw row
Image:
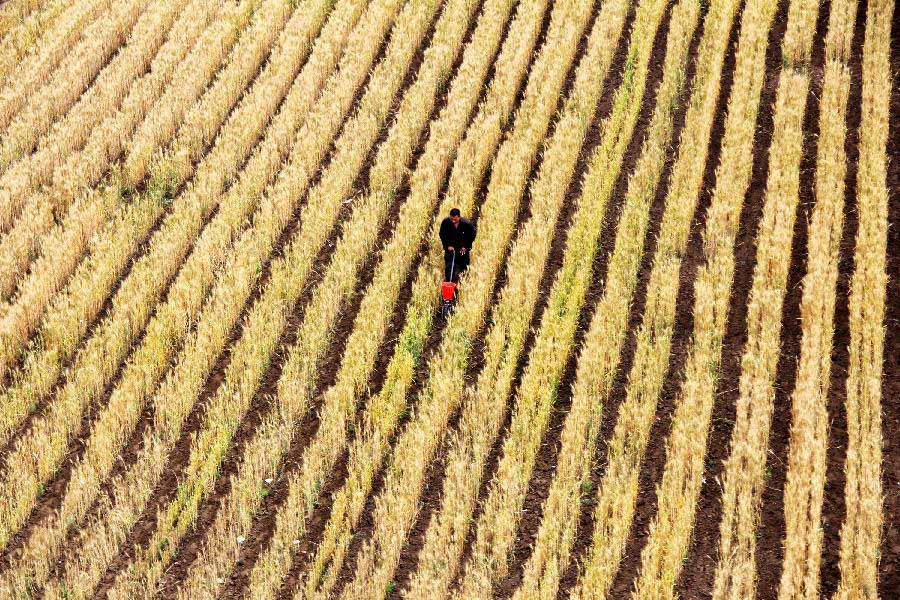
<point>263,452</point>
<point>368,450</point>
<point>185,298</point>
<point>861,530</point>
<point>483,412</point>
<point>744,474</point>
<point>397,505</point>
<point>63,246</point>
<point>664,553</point>
<point>16,11</point>
<point>381,296</point>
<point>85,168</point>
<point>160,125</point>
<point>375,311</point>
<point>73,77</point>
<point>151,460</point>
<point>23,35</point>
<point>47,281</point>
<point>267,319</point>
<point>100,100</point>
<point>63,328</point>
<point>488,564</point>
<point>599,357</point>
<point>29,75</point>
<point>111,344</point>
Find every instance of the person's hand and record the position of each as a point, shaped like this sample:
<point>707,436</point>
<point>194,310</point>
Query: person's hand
<point>462,250</point>
<point>449,248</point>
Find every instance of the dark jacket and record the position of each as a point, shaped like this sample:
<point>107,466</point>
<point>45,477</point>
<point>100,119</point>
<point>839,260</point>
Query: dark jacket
<point>460,236</point>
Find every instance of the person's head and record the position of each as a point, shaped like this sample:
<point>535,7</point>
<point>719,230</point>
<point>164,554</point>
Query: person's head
<point>455,215</point>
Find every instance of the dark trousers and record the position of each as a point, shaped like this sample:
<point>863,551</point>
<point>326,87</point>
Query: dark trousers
<point>462,262</point>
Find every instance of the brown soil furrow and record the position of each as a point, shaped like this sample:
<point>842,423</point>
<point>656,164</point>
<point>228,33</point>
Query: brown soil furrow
<point>833,507</point>
<point>365,526</point>
<point>192,543</point>
<point>56,487</point>
<point>433,493</point>
<point>145,526</point>
<point>683,323</point>
<point>697,577</point>
<point>732,343</point>
<point>547,456</point>
<point>265,524</point>
<point>769,555</point>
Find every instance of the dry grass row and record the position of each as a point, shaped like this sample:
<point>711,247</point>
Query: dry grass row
<point>498,523</point>
<point>381,296</point>
<point>207,56</point>
<point>485,407</point>
<point>496,528</point>
<point>397,505</point>
<point>175,399</point>
<point>30,74</point>
<point>663,555</point>
<point>64,245</point>
<point>268,318</point>
<point>149,361</point>
<point>63,329</point>
<point>861,531</point>
<point>22,32</point>
<point>110,345</point>
<point>617,492</point>
<point>66,85</point>
<point>264,451</point>
<point>69,133</point>
<point>745,467</point>
<point>14,12</point>
<point>74,332</point>
<point>472,156</point>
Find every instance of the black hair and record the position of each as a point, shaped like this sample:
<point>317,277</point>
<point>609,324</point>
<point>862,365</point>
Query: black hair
<point>454,212</point>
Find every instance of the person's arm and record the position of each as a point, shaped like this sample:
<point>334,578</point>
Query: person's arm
<point>443,233</point>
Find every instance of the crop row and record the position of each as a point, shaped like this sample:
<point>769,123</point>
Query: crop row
<point>374,314</point>
<point>744,476</point>
<point>68,83</point>
<point>20,331</point>
<point>384,410</point>
<point>196,277</point>
<point>264,452</point>
<point>861,530</point>
<point>485,407</point>
<point>21,32</point>
<point>548,357</point>
<point>381,296</point>
<point>268,317</point>
<point>396,506</point>
<point>63,328</point>
<point>69,133</point>
<point>677,494</point>
<point>211,49</point>
<point>62,247</point>
<point>185,298</point>
<point>617,492</point>
<point>25,80</point>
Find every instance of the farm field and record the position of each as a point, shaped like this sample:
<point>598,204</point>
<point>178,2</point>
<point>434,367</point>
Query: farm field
<point>672,368</point>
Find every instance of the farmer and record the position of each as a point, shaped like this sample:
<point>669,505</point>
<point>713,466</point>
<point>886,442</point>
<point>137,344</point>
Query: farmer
<point>457,235</point>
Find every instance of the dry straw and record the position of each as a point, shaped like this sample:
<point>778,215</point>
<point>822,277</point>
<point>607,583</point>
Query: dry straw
<point>663,555</point>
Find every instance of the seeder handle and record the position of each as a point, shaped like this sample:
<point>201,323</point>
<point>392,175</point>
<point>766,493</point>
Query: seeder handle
<point>452,264</point>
